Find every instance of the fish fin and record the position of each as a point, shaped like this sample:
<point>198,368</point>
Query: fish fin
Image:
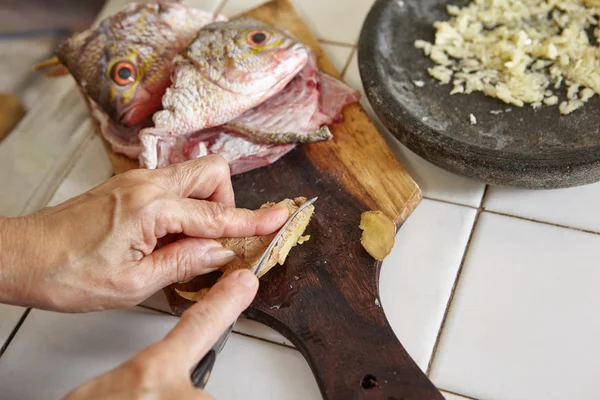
<point>60,71</point>
<point>54,67</point>
<point>51,62</point>
<point>267,137</point>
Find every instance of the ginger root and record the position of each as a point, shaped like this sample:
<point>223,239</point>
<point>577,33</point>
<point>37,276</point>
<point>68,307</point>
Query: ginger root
<point>379,234</point>
<point>249,250</point>
<point>191,296</point>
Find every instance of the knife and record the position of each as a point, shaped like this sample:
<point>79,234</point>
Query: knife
<point>202,370</point>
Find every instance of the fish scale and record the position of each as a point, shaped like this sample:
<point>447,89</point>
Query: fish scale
<point>149,36</point>
<point>124,70</point>
<point>220,86</point>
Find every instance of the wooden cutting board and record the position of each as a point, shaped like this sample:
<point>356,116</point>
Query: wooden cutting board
<point>11,112</point>
<point>325,298</point>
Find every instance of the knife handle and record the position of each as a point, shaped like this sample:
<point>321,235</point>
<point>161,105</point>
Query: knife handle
<point>202,371</point>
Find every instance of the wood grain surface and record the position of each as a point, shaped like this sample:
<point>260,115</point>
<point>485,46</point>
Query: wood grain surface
<point>325,298</point>
<point>11,112</point>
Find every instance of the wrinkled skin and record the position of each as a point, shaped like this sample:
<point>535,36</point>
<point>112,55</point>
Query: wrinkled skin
<point>145,377</point>
<point>100,250</point>
<point>124,64</point>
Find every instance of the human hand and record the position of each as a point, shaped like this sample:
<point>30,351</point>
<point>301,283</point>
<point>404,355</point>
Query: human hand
<point>98,250</point>
<point>145,375</point>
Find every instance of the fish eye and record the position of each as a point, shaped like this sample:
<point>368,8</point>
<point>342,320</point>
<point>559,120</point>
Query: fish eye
<point>256,38</point>
<point>123,73</point>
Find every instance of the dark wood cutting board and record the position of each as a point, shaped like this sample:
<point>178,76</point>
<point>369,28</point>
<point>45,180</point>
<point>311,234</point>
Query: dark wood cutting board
<point>325,298</point>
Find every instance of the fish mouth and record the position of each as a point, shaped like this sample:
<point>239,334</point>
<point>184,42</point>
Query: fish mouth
<point>299,56</point>
<point>296,58</point>
<point>298,53</point>
<point>144,104</point>
<point>137,113</point>
<point>298,47</point>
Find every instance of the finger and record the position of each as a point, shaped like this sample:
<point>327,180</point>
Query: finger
<point>203,323</point>
<point>207,178</point>
<point>214,220</point>
<point>185,259</point>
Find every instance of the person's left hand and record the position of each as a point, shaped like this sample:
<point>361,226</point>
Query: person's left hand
<point>146,376</point>
<point>99,250</point>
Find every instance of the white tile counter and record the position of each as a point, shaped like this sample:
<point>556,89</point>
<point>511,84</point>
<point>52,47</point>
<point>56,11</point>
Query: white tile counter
<point>494,292</point>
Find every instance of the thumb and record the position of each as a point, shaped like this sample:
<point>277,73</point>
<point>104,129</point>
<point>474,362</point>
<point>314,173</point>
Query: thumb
<point>202,324</point>
<point>187,258</point>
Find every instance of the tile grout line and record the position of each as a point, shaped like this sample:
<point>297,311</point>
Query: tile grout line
<point>347,64</point>
<point>13,333</point>
<point>483,209</point>
<point>220,7</point>
<point>336,43</point>
<point>542,222</point>
<point>458,394</point>
<point>235,331</point>
<point>483,197</point>
<point>455,285</point>
<point>450,202</point>
<point>155,309</point>
<point>70,168</point>
<point>78,154</point>
<point>267,341</point>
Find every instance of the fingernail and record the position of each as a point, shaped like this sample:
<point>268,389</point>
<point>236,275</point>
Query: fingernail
<point>220,255</point>
<point>246,278</point>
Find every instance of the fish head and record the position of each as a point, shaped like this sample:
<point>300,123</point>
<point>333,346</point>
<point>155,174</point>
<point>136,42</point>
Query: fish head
<point>124,63</point>
<point>246,56</point>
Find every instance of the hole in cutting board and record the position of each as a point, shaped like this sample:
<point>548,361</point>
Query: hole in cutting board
<point>369,382</point>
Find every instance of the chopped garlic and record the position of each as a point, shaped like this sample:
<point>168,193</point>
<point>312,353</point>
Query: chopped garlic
<point>424,45</point>
<point>552,51</point>
<point>458,89</point>
<point>419,83</point>
<point>438,55</point>
<point>519,50</point>
<point>586,94</point>
<point>572,92</point>
<point>440,73</point>
<point>472,119</point>
<point>551,101</point>
<point>570,106</point>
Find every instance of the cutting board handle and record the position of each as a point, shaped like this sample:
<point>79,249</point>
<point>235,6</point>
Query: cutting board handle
<point>366,361</point>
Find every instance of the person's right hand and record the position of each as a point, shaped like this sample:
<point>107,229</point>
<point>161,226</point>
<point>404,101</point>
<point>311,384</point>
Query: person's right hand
<point>145,376</point>
<point>98,250</point>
